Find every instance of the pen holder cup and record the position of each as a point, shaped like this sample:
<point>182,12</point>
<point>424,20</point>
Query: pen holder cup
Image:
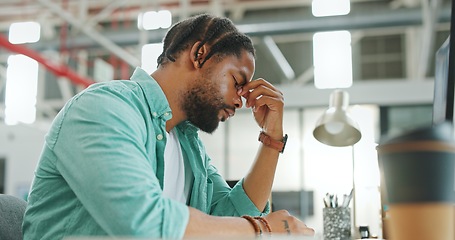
<point>337,223</point>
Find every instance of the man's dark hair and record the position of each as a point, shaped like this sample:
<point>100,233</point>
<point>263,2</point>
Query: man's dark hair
<point>219,33</point>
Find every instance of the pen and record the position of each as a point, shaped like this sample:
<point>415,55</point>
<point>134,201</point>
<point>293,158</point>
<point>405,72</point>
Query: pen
<point>331,200</point>
<point>326,200</point>
<point>347,200</point>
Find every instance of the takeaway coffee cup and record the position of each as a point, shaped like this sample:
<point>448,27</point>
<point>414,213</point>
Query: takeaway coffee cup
<point>418,171</point>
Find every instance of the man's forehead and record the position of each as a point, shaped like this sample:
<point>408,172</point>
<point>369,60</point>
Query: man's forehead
<point>247,68</point>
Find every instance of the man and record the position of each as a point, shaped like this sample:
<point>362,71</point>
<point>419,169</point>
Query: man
<point>123,158</point>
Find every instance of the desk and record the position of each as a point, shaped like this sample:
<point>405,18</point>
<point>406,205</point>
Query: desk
<point>276,237</point>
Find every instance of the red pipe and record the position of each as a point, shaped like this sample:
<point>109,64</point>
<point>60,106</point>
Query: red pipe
<point>58,69</point>
<point>125,70</point>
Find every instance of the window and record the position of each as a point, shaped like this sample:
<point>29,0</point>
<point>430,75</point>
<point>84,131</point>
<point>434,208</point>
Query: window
<point>382,57</point>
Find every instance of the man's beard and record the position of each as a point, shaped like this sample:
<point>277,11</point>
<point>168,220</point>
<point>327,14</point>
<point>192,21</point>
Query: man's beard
<point>202,104</point>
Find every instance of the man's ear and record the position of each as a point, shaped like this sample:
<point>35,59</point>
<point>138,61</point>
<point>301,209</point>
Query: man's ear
<point>197,56</point>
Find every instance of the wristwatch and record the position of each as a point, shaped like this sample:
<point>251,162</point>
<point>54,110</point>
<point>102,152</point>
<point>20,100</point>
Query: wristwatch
<point>269,142</point>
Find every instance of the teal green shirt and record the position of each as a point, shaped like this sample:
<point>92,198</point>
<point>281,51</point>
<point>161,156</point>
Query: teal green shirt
<point>101,169</point>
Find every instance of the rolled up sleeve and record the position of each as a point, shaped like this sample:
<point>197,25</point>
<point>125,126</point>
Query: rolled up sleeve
<point>232,202</point>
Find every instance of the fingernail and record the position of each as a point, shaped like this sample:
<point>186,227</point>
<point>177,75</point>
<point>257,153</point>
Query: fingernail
<point>239,91</point>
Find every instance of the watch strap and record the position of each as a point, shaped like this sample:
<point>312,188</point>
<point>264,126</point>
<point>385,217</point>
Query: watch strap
<point>270,142</point>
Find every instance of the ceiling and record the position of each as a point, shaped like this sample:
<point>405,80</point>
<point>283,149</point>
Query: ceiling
<point>281,30</point>
<point>255,17</point>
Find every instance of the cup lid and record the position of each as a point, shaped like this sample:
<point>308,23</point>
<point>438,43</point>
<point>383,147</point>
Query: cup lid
<point>441,132</point>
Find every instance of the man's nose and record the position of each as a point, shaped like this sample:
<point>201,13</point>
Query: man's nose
<point>238,101</point>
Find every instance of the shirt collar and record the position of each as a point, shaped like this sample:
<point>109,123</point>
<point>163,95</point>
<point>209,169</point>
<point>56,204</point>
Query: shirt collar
<point>157,101</point>
<point>187,128</point>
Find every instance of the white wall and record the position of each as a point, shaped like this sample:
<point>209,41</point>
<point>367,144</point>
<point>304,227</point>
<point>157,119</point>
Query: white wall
<point>21,146</point>
<point>307,164</point>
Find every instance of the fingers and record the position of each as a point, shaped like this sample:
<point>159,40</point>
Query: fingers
<point>271,102</point>
<point>293,226</point>
<point>260,92</point>
<point>283,223</point>
<point>308,231</point>
<point>256,83</point>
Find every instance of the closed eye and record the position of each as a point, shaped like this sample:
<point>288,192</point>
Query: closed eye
<point>236,83</point>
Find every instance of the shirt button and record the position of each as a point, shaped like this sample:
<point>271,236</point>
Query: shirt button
<point>154,114</point>
<point>166,114</point>
<point>159,137</point>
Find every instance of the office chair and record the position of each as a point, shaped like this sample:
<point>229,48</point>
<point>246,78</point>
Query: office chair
<point>11,215</point>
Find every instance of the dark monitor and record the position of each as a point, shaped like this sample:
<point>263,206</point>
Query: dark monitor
<point>444,79</point>
<point>298,203</point>
<point>442,101</point>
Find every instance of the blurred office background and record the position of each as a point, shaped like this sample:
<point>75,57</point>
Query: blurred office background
<point>391,47</point>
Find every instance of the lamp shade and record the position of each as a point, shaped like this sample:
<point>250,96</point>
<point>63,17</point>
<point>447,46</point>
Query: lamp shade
<point>335,127</point>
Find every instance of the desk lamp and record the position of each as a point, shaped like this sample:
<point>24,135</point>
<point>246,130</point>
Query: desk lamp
<point>335,127</point>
